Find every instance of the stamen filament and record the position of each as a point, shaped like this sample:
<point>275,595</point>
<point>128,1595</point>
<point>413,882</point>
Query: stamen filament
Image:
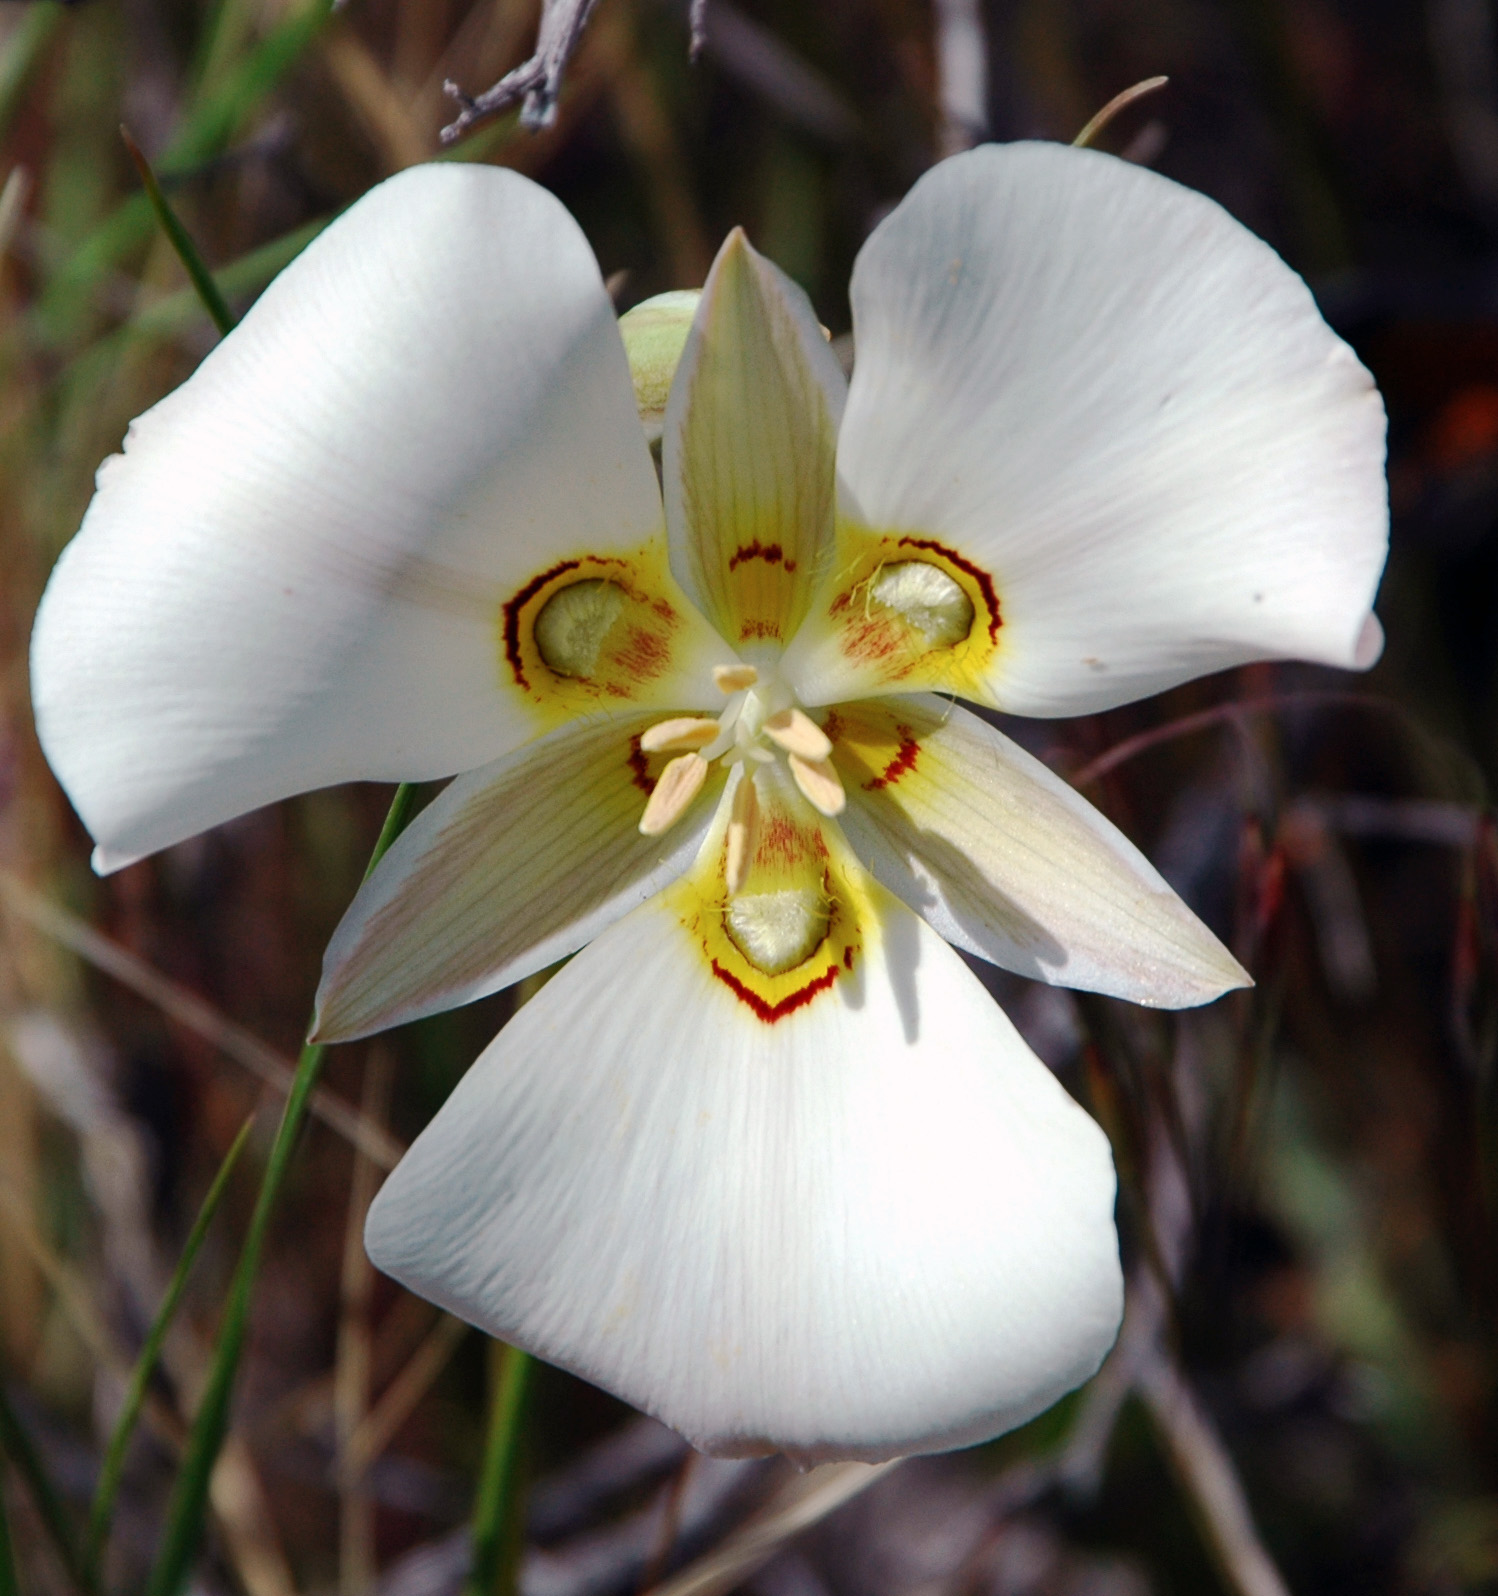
<point>743,834</point>
<point>819,784</point>
<point>796,732</point>
<point>733,678</point>
<point>686,732</point>
<point>679,784</point>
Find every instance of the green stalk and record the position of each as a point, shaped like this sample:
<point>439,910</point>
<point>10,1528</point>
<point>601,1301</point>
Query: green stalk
<point>189,1503</point>
<point>497,1530</point>
<point>110,1475</point>
<point>16,1445</point>
<point>207,127</point>
<point>176,312</point>
<point>24,52</point>
<point>8,1586</point>
<point>180,239</point>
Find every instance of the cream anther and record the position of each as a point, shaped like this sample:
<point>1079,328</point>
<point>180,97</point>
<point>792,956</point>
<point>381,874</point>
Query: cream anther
<point>796,732</point>
<point>679,735</point>
<point>680,783</point>
<point>819,784</point>
<point>743,834</point>
<point>734,678</point>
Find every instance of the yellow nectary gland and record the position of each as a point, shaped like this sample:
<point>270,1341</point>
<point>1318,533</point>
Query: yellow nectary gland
<point>776,931</point>
<point>574,624</point>
<point>925,597</point>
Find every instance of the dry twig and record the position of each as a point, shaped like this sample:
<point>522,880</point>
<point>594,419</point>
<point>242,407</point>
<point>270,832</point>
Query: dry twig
<point>536,82</point>
<point>189,1010</point>
<point>800,1503</point>
<point>961,75</point>
<point>1202,1462</point>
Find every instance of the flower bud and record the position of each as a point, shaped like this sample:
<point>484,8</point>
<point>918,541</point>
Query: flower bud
<point>655,333</point>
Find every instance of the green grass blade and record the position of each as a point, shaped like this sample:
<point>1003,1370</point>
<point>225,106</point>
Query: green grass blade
<point>189,1502</point>
<point>397,818</point>
<point>496,1528</point>
<point>24,52</point>
<point>140,1379</point>
<point>479,146</point>
<point>247,275</point>
<point>175,313</point>
<point>16,1445</point>
<point>215,120</point>
<point>8,1586</point>
<point>203,134</point>
<point>180,239</point>
<point>131,221</point>
<point>188,1507</point>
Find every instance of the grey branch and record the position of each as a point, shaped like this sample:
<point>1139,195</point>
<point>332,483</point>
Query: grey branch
<point>1207,1471</point>
<point>536,82</point>
<point>962,74</point>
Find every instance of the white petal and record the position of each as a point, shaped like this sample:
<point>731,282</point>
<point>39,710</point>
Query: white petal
<point>1003,858</point>
<point>1122,410</point>
<point>748,452</point>
<point>509,869</point>
<point>874,1225</point>
<point>1369,647</point>
<point>296,573</point>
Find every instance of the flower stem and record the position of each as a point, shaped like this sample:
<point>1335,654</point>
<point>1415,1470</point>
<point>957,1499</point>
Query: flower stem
<point>497,1529</point>
<point>25,49</point>
<point>189,1504</point>
<point>119,1442</point>
<point>8,1586</point>
<point>16,1447</point>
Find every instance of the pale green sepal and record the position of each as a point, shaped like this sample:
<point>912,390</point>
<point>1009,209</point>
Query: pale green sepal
<point>512,867</point>
<point>748,453</point>
<point>1001,857</point>
<point>655,333</point>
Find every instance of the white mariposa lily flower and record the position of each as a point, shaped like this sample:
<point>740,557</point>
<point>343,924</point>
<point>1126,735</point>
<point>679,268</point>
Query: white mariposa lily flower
<point>764,1159</point>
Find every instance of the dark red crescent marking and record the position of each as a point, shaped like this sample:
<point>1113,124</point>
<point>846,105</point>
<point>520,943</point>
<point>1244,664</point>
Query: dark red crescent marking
<point>639,767</point>
<point>901,765</point>
<point>513,608</point>
<point>770,1012</point>
<point>978,574</point>
<point>770,553</point>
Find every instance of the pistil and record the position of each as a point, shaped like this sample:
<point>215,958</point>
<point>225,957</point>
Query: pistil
<point>758,725</point>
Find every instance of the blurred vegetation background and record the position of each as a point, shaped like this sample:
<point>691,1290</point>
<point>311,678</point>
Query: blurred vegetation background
<point>1306,1391</point>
